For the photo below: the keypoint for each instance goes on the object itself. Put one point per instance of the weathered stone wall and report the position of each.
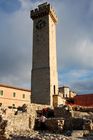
(44, 66)
(3, 124)
(23, 122)
(52, 125)
(55, 124)
(31, 110)
(62, 112)
(81, 114)
(73, 124)
(74, 120)
(19, 122)
(86, 109)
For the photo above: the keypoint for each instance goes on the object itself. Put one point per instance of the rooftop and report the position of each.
(18, 88)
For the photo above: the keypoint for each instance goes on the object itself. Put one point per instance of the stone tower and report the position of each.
(44, 66)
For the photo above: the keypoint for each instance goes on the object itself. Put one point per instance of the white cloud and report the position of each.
(15, 50)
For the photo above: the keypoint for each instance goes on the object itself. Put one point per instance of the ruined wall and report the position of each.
(18, 123)
(23, 121)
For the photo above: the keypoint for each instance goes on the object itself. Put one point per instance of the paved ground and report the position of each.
(77, 135)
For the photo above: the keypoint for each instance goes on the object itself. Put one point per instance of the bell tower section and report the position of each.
(44, 79)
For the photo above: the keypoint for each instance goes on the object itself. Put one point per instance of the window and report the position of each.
(13, 105)
(14, 94)
(54, 89)
(66, 95)
(23, 95)
(63, 95)
(1, 92)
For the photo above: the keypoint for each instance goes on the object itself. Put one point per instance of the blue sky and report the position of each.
(74, 42)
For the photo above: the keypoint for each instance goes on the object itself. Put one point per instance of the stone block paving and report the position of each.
(46, 136)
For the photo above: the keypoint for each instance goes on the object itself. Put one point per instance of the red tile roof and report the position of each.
(84, 100)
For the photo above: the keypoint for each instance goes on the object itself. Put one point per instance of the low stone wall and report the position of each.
(19, 121)
(88, 125)
(73, 124)
(23, 122)
(3, 124)
(55, 124)
(86, 109)
(83, 108)
(62, 112)
(81, 114)
(31, 110)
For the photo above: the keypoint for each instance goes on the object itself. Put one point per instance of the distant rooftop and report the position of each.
(8, 86)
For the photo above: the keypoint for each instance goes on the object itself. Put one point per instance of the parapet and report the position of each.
(43, 10)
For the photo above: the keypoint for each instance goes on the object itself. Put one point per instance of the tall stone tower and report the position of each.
(44, 78)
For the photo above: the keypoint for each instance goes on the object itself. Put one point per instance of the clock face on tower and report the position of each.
(40, 24)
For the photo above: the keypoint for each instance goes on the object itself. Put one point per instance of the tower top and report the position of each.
(43, 10)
